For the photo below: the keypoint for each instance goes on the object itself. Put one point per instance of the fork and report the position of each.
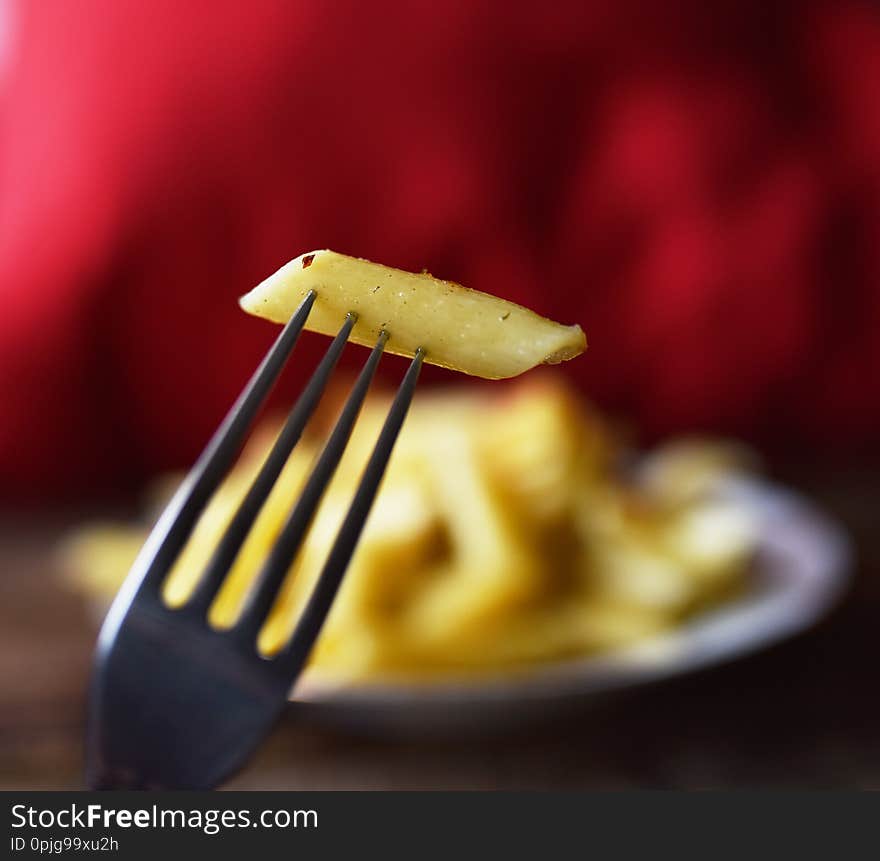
(176, 703)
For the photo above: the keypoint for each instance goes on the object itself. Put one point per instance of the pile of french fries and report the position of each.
(506, 534)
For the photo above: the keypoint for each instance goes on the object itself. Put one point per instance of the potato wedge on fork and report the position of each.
(458, 328)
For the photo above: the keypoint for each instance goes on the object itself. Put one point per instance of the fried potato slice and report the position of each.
(504, 535)
(458, 328)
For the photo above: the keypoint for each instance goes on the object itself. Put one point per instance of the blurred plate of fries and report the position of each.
(519, 560)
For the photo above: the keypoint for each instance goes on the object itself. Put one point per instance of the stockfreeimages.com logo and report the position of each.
(209, 821)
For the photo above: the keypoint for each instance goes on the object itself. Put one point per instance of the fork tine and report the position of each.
(230, 543)
(295, 654)
(179, 517)
(290, 538)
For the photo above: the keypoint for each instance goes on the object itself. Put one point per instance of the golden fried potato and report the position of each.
(503, 536)
(458, 328)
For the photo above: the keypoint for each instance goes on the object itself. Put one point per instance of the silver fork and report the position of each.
(176, 703)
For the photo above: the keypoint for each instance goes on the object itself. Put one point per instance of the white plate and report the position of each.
(801, 568)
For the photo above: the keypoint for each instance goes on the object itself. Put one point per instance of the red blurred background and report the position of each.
(697, 184)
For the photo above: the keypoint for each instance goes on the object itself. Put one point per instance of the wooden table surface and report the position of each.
(805, 713)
